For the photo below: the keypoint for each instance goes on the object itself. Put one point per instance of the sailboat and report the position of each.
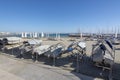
(42, 34)
(115, 39)
(103, 53)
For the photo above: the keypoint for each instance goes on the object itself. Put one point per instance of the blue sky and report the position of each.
(59, 15)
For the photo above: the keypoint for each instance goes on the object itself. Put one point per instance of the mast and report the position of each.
(115, 33)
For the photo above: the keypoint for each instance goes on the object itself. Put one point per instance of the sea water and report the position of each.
(46, 35)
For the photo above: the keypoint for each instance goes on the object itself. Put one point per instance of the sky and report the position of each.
(59, 15)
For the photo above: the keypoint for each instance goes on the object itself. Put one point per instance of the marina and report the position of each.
(76, 56)
(59, 40)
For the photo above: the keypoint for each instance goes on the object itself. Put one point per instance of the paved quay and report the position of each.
(15, 69)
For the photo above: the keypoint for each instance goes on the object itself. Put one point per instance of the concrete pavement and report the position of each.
(13, 69)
